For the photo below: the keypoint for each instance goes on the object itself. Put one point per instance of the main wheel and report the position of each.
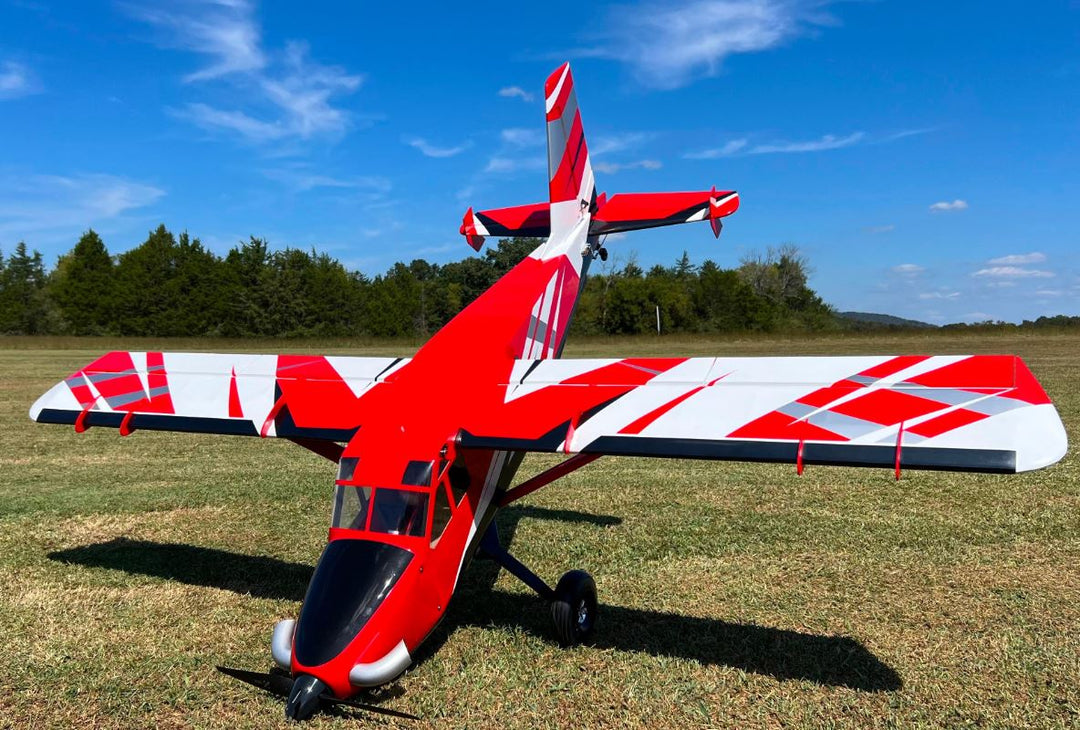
(574, 608)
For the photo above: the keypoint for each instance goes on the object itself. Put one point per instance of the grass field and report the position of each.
(732, 595)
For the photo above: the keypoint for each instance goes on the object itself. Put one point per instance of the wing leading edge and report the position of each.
(984, 413)
(287, 396)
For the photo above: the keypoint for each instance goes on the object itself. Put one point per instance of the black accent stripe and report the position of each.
(388, 367)
(548, 442)
(599, 227)
(192, 424)
(994, 461)
(539, 229)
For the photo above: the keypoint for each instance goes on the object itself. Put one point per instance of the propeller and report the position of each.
(281, 684)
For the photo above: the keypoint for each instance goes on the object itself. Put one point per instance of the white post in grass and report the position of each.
(657, 319)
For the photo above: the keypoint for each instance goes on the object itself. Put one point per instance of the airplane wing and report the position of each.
(622, 212)
(983, 413)
(286, 396)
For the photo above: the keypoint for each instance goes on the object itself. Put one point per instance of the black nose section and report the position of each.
(304, 697)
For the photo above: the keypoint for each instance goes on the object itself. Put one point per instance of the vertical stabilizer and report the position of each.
(570, 177)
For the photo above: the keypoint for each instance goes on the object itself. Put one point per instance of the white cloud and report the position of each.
(610, 168)
(1013, 272)
(669, 44)
(520, 137)
(1034, 257)
(515, 91)
(223, 30)
(947, 207)
(301, 178)
(939, 295)
(908, 269)
(16, 80)
(606, 144)
(507, 165)
(1049, 292)
(293, 94)
(429, 150)
(827, 142)
(37, 207)
(729, 149)
(742, 146)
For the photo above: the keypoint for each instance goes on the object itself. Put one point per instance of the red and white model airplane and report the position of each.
(427, 447)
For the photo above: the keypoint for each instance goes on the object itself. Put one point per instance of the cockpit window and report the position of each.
(417, 474)
(351, 507)
(346, 468)
(442, 514)
(399, 512)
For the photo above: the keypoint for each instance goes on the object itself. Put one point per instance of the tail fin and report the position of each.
(570, 178)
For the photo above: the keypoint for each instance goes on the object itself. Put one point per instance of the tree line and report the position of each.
(171, 285)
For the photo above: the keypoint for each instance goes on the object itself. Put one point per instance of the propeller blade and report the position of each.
(280, 684)
(277, 684)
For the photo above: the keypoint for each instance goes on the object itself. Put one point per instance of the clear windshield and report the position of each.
(351, 507)
(399, 512)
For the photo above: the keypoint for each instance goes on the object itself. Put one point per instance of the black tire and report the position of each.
(574, 609)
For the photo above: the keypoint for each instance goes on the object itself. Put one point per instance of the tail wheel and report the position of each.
(574, 609)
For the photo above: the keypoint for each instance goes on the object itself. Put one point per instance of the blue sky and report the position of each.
(924, 155)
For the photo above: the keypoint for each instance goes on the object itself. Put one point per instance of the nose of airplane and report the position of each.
(304, 697)
(352, 579)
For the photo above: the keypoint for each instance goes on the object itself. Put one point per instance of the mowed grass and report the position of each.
(732, 595)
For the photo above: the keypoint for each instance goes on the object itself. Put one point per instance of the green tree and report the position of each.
(82, 286)
(24, 308)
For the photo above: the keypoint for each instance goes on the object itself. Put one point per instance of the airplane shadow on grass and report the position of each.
(783, 654)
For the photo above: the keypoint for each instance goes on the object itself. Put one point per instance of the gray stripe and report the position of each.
(541, 330)
(76, 381)
(796, 409)
(995, 405)
(102, 377)
(162, 390)
(119, 401)
(862, 379)
(558, 132)
(846, 426)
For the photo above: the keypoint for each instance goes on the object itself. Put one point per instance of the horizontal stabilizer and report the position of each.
(617, 214)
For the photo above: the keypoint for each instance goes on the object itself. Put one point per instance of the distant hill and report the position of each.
(884, 320)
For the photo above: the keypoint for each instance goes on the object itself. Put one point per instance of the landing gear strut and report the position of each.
(574, 607)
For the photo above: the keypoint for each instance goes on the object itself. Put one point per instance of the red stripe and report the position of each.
(566, 182)
(895, 365)
(564, 93)
(946, 422)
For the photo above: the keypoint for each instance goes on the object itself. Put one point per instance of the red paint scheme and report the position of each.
(464, 380)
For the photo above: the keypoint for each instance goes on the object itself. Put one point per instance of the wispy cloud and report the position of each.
(223, 30)
(522, 137)
(742, 146)
(1035, 257)
(37, 207)
(429, 150)
(610, 168)
(945, 206)
(619, 142)
(875, 230)
(302, 178)
(511, 92)
(944, 294)
(293, 94)
(669, 44)
(1013, 272)
(908, 269)
(506, 165)
(16, 80)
